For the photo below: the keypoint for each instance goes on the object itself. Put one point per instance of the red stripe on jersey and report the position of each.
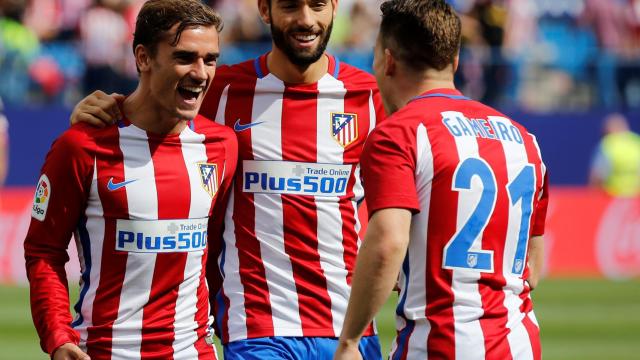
(494, 319)
(114, 263)
(168, 163)
(354, 103)
(251, 268)
(532, 329)
(443, 214)
(300, 220)
(202, 316)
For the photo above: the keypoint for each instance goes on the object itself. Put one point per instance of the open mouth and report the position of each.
(190, 93)
(305, 39)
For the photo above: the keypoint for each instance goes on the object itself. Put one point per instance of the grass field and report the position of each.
(580, 319)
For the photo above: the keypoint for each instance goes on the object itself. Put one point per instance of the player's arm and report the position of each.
(377, 268)
(536, 260)
(98, 109)
(60, 197)
(388, 167)
(536, 243)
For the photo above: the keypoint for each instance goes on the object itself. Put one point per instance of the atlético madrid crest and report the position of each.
(344, 128)
(209, 177)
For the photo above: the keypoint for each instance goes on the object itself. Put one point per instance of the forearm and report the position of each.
(536, 260)
(378, 264)
(50, 303)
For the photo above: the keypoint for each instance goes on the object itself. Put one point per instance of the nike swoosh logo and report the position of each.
(240, 127)
(113, 187)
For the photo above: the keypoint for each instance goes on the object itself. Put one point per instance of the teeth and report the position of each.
(306, 37)
(194, 89)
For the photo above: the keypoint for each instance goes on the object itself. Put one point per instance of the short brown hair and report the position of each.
(421, 33)
(157, 17)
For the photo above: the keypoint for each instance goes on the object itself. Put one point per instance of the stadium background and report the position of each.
(557, 66)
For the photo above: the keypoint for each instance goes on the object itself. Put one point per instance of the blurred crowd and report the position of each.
(539, 55)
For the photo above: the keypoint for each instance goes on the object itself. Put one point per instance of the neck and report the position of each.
(411, 86)
(280, 66)
(146, 114)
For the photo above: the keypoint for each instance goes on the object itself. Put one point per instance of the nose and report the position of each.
(198, 70)
(305, 17)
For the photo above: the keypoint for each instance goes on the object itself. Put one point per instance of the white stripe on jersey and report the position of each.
(467, 304)
(233, 288)
(138, 276)
(330, 248)
(222, 106)
(269, 229)
(95, 225)
(372, 113)
(416, 292)
(518, 337)
(185, 325)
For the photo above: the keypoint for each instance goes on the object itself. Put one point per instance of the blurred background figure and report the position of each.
(616, 163)
(4, 148)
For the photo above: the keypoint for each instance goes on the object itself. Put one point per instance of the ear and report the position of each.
(335, 8)
(389, 63)
(143, 58)
(265, 11)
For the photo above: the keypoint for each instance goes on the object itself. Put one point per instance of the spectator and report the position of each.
(4, 146)
(616, 163)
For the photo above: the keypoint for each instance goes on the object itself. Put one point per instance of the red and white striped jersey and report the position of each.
(477, 186)
(140, 207)
(291, 228)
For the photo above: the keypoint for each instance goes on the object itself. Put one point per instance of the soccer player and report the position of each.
(291, 228)
(457, 193)
(140, 199)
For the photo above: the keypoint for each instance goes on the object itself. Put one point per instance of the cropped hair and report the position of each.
(157, 17)
(422, 34)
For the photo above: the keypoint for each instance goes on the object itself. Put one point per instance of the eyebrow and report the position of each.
(185, 53)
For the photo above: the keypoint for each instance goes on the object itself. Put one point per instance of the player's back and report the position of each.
(478, 177)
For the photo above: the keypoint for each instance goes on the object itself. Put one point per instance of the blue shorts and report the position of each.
(296, 348)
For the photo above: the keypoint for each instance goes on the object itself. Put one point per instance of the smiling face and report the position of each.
(179, 76)
(300, 28)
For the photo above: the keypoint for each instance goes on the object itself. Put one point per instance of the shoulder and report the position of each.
(82, 138)
(212, 130)
(357, 78)
(227, 74)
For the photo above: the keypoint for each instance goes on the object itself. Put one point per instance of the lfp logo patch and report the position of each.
(41, 198)
(344, 128)
(209, 177)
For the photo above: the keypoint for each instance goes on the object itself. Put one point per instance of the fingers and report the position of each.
(70, 351)
(98, 109)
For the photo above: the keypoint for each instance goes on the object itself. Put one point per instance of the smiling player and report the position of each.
(142, 244)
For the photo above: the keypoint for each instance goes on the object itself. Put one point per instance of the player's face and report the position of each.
(300, 28)
(180, 75)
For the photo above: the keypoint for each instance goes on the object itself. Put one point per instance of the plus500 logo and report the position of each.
(275, 177)
(161, 235)
(140, 242)
(308, 185)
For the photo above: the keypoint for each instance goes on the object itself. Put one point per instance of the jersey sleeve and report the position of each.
(388, 169)
(60, 197)
(540, 212)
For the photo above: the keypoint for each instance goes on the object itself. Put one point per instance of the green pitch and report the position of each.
(580, 319)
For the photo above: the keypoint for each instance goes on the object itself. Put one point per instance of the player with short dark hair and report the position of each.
(141, 199)
(457, 197)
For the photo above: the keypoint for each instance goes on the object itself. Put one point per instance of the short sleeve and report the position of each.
(540, 213)
(388, 168)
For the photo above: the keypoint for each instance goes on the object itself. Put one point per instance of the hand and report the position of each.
(347, 351)
(98, 109)
(70, 351)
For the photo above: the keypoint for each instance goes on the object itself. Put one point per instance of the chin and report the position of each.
(187, 114)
